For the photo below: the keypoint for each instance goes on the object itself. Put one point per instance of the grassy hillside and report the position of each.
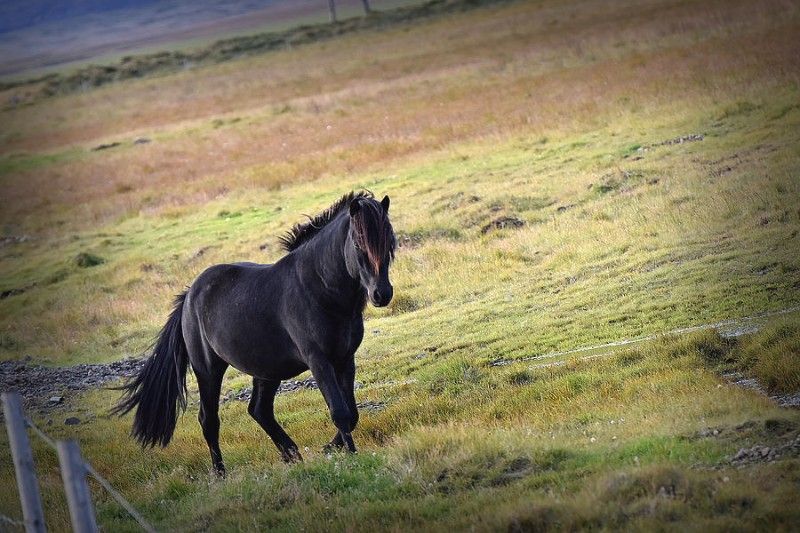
(562, 174)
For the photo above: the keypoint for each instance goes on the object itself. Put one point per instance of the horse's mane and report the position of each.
(303, 232)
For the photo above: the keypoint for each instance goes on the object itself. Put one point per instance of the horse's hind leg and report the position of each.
(261, 408)
(209, 383)
(209, 369)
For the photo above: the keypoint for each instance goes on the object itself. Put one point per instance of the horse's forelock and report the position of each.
(373, 232)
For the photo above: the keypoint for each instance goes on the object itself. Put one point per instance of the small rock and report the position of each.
(371, 406)
(72, 421)
(55, 400)
(141, 140)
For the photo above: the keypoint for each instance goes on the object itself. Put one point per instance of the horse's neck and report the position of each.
(324, 260)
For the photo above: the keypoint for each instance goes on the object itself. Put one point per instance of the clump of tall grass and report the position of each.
(773, 356)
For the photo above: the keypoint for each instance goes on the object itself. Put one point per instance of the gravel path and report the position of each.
(46, 387)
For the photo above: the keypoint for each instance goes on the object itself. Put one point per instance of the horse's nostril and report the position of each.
(376, 295)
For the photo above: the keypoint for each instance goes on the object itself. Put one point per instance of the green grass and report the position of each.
(623, 236)
(620, 441)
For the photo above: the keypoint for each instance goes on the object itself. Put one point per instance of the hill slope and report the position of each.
(561, 174)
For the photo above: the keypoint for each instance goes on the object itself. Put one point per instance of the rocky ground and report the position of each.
(784, 400)
(766, 454)
(43, 386)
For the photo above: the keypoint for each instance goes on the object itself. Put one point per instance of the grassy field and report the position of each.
(647, 155)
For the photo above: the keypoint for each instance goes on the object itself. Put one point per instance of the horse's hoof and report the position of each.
(220, 471)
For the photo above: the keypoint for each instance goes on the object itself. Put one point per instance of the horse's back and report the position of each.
(240, 310)
(229, 282)
(251, 264)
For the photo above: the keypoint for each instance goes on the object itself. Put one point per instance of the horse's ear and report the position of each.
(355, 207)
(385, 203)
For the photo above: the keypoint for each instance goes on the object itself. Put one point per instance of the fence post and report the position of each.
(73, 472)
(332, 10)
(23, 463)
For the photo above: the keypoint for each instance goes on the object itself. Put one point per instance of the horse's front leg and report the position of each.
(343, 415)
(346, 379)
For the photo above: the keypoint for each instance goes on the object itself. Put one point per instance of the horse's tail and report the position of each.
(159, 390)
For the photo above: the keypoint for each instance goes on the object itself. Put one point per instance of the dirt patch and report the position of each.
(47, 387)
(15, 291)
(682, 139)
(508, 221)
(106, 146)
(13, 239)
(408, 241)
(88, 260)
(692, 137)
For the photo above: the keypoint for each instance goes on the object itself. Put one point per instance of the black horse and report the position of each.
(273, 322)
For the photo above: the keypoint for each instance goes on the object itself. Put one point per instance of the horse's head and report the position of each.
(370, 248)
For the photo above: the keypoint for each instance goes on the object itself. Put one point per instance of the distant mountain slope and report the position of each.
(21, 14)
(41, 35)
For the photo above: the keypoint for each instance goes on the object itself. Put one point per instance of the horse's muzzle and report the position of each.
(381, 297)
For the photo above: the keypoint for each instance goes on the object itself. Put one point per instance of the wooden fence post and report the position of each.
(73, 472)
(23, 463)
(332, 10)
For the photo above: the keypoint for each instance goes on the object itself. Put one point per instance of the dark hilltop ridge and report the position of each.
(28, 91)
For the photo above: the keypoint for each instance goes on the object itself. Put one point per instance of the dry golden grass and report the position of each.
(357, 104)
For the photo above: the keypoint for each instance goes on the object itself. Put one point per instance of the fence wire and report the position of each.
(145, 525)
(11, 522)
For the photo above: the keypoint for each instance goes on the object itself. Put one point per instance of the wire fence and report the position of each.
(11, 522)
(74, 471)
(120, 499)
